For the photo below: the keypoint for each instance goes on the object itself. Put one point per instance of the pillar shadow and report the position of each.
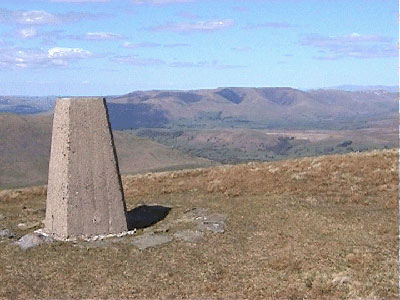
(146, 215)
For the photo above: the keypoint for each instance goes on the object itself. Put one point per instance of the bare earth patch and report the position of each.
(314, 228)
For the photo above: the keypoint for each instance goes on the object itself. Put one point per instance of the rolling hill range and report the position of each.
(25, 105)
(271, 108)
(279, 108)
(358, 88)
(25, 149)
(180, 129)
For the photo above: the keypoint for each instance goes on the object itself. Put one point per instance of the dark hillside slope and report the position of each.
(279, 107)
(263, 107)
(25, 150)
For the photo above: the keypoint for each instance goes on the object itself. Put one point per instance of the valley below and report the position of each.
(170, 130)
(26, 139)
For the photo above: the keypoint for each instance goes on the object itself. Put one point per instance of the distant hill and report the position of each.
(24, 105)
(271, 107)
(25, 137)
(363, 88)
(25, 149)
(274, 108)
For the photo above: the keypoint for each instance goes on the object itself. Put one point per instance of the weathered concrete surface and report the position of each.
(85, 195)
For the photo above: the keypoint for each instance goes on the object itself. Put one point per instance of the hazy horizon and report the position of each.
(344, 87)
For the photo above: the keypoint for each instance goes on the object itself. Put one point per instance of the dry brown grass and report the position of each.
(314, 228)
(349, 179)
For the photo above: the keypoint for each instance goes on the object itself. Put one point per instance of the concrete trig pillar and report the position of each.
(84, 193)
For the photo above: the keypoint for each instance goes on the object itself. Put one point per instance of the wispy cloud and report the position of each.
(48, 37)
(188, 15)
(241, 49)
(140, 45)
(4, 43)
(333, 41)
(26, 33)
(98, 36)
(38, 58)
(240, 8)
(152, 45)
(176, 45)
(138, 61)
(281, 25)
(135, 60)
(200, 26)
(353, 45)
(40, 17)
(67, 53)
(71, 17)
(80, 1)
(158, 2)
(33, 17)
(205, 64)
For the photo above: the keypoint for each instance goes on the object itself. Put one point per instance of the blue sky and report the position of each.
(106, 47)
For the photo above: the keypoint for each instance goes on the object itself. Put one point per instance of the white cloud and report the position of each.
(22, 58)
(27, 33)
(133, 1)
(47, 37)
(334, 41)
(67, 53)
(140, 45)
(80, 1)
(99, 36)
(33, 17)
(354, 45)
(205, 64)
(152, 45)
(159, 1)
(38, 58)
(137, 61)
(36, 17)
(40, 17)
(201, 26)
(81, 16)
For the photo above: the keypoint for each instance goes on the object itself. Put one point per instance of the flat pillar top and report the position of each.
(81, 98)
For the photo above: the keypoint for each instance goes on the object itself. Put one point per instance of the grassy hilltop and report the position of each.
(319, 228)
